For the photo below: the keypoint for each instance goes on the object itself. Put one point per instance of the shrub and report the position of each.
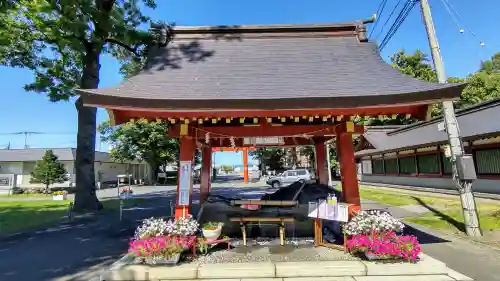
(60, 193)
(211, 225)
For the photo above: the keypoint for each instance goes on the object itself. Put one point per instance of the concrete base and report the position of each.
(428, 269)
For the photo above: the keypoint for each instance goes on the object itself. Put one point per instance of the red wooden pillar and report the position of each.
(187, 149)
(348, 169)
(206, 170)
(321, 165)
(245, 165)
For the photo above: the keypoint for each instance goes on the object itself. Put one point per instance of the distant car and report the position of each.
(290, 176)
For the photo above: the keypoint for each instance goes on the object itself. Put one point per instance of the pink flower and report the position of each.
(385, 244)
(161, 246)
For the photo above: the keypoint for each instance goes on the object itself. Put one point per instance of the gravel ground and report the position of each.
(274, 254)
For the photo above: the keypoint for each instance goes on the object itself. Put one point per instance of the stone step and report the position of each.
(428, 269)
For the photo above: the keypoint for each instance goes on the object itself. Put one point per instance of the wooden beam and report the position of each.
(264, 131)
(124, 114)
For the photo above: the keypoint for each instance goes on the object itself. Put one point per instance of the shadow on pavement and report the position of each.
(423, 237)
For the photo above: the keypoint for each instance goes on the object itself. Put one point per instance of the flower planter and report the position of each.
(372, 257)
(212, 234)
(59, 197)
(173, 260)
(125, 195)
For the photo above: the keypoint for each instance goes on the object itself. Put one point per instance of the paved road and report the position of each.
(80, 252)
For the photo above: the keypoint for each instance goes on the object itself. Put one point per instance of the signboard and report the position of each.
(263, 141)
(5, 180)
(323, 210)
(185, 174)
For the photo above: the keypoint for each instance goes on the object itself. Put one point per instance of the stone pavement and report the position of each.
(82, 250)
(75, 251)
(428, 269)
(474, 260)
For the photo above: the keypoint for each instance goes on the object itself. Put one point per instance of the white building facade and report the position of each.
(16, 166)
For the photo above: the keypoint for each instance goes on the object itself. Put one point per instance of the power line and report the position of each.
(403, 14)
(38, 133)
(380, 11)
(458, 20)
(387, 20)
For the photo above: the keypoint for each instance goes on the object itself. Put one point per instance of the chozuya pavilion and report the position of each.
(266, 85)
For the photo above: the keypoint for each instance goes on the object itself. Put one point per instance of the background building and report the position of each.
(414, 155)
(16, 166)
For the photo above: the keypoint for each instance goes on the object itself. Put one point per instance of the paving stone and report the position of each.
(259, 279)
(237, 270)
(339, 278)
(405, 278)
(182, 271)
(201, 280)
(458, 276)
(127, 273)
(426, 265)
(320, 269)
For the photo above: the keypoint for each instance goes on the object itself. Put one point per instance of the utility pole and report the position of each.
(464, 172)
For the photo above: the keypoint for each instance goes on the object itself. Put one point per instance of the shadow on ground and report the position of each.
(457, 224)
(80, 249)
(423, 237)
(76, 250)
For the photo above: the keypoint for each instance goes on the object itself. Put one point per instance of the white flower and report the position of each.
(150, 228)
(368, 221)
(182, 226)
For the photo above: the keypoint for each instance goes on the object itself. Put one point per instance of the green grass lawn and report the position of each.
(26, 195)
(16, 216)
(444, 213)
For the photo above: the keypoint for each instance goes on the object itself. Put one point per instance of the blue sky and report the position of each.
(26, 111)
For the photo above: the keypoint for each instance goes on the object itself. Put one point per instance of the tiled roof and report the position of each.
(36, 154)
(476, 121)
(273, 67)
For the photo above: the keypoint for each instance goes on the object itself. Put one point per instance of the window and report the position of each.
(301, 172)
(407, 165)
(488, 161)
(391, 165)
(291, 174)
(447, 170)
(378, 166)
(428, 164)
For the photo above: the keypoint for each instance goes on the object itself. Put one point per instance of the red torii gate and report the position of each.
(245, 151)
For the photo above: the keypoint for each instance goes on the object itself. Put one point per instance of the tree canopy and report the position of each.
(481, 86)
(62, 42)
(269, 157)
(141, 140)
(49, 171)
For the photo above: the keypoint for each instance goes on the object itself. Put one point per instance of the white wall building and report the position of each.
(16, 166)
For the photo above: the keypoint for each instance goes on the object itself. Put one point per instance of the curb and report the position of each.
(430, 190)
(123, 261)
(126, 259)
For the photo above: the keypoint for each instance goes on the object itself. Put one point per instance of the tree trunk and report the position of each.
(155, 169)
(85, 186)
